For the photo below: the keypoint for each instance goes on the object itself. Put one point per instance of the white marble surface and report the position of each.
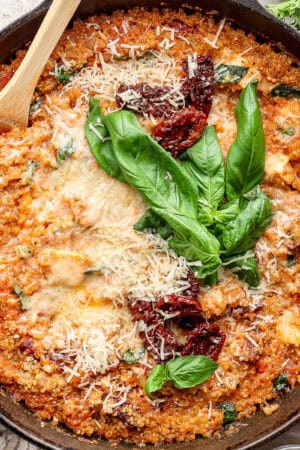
(9, 11)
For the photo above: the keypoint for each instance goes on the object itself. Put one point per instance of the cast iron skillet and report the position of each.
(250, 16)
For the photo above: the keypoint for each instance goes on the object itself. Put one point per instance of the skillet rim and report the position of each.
(36, 14)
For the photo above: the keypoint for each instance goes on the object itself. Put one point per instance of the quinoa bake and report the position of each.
(150, 229)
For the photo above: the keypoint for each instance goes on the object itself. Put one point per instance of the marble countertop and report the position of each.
(9, 440)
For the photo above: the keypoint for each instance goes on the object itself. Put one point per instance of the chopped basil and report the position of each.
(280, 383)
(283, 90)
(65, 151)
(64, 76)
(183, 372)
(225, 73)
(31, 167)
(229, 411)
(289, 131)
(24, 299)
(35, 105)
(290, 260)
(131, 356)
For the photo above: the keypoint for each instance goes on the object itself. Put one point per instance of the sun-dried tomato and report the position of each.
(182, 27)
(142, 310)
(199, 87)
(206, 339)
(190, 322)
(194, 282)
(181, 130)
(161, 341)
(144, 99)
(183, 306)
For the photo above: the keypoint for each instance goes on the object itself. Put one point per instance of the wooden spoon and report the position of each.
(16, 96)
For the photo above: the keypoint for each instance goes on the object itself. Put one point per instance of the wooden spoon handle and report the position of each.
(51, 29)
(17, 94)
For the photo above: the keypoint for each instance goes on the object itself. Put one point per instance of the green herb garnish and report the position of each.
(64, 76)
(246, 158)
(280, 383)
(283, 90)
(186, 199)
(229, 412)
(145, 164)
(24, 299)
(289, 131)
(35, 105)
(131, 356)
(183, 372)
(287, 9)
(99, 141)
(225, 73)
(31, 167)
(65, 151)
(290, 260)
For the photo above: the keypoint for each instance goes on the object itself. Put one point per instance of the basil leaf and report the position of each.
(240, 234)
(205, 215)
(225, 73)
(152, 222)
(189, 371)
(207, 168)
(183, 372)
(246, 157)
(156, 379)
(229, 412)
(191, 253)
(212, 279)
(283, 90)
(280, 383)
(290, 260)
(100, 142)
(161, 181)
(24, 299)
(131, 357)
(247, 270)
(227, 212)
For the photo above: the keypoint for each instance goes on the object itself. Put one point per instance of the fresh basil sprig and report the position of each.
(183, 372)
(186, 199)
(246, 158)
(170, 193)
